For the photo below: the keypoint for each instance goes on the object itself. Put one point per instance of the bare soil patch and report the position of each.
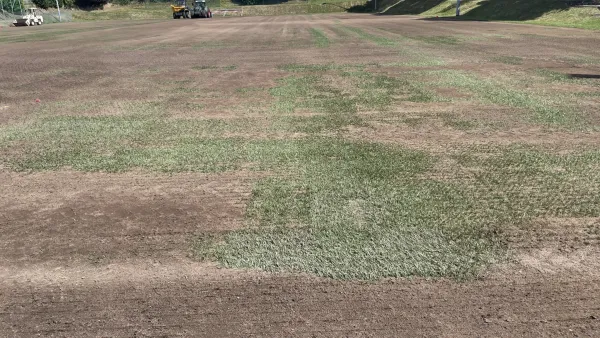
(72, 218)
(209, 303)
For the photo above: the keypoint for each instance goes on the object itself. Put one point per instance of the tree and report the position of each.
(90, 3)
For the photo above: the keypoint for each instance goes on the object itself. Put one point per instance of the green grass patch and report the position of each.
(339, 93)
(319, 38)
(424, 61)
(347, 210)
(360, 211)
(120, 143)
(357, 211)
(548, 75)
(363, 88)
(204, 67)
(457, 123)
(525, 183)
(376, 39)
(414, 53)
(318, 123)
(414, 121)
(553, 76)
(549, 110)
(152, 141)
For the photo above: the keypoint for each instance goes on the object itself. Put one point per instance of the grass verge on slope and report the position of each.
(544, 12)
(320, 39)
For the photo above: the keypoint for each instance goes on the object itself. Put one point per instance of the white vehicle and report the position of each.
(31, 17)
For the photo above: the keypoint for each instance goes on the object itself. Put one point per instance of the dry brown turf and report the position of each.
(109, 254)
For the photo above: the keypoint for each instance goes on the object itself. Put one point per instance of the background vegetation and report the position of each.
(546, 12)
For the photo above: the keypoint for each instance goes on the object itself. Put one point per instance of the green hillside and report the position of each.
(545, 12)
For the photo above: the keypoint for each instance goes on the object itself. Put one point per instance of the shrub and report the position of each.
(90, 3)
(11, 7)
(45, 4)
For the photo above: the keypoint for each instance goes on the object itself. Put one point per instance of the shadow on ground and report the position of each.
(409, 6)
(514, 9)
(484, 10)
(584, 76)
(367, 7)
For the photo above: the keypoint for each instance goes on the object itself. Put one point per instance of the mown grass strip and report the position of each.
(378, 40)
(319, 38)
(546, 109)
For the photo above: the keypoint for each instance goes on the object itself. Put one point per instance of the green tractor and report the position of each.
(200, 10)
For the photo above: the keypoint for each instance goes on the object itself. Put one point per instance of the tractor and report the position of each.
(201, 10)
(181, 10)
(32, 17)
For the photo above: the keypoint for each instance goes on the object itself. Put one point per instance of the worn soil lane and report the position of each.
(199, 300)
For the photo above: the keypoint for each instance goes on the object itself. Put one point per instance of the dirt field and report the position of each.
(124, 144)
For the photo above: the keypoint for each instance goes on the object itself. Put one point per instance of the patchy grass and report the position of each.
(376, 39)
(298, 68)
(553, 76)
(340, 209)
(119, 143)
(363, 211)
(356, 211)
(526, 183)
(424, 61)
(546, 109)
(319, 38)
(333, 207)
(339, 93)
(408, 49)
(151, 141)
(457, 123)
(204, 67)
